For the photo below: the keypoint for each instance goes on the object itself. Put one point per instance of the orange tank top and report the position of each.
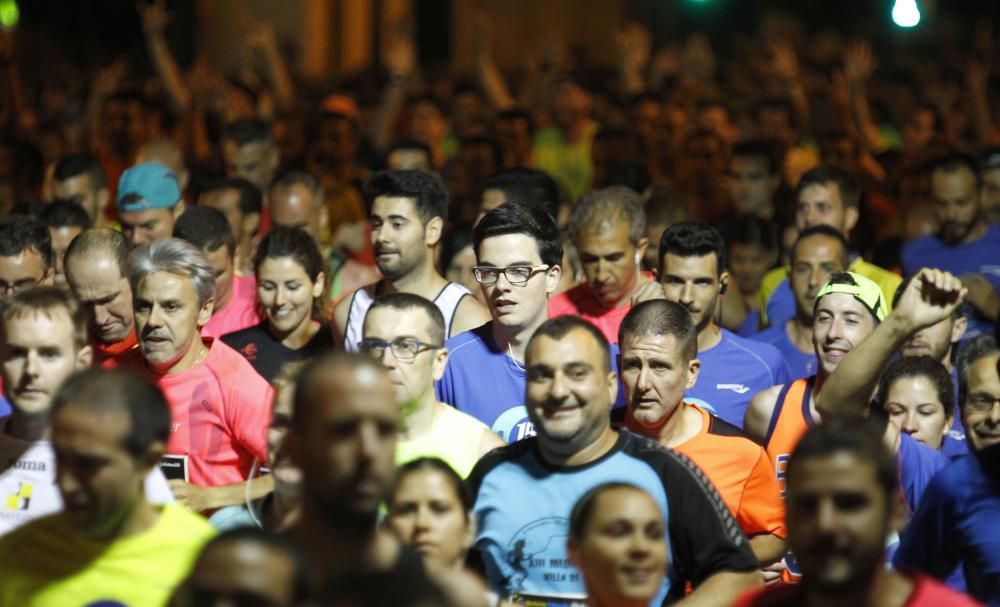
(789, 421)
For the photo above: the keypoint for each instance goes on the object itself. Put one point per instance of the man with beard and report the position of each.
(693, 273)
(965, 244)
(819, 252)
(409, 210)
(842, 504)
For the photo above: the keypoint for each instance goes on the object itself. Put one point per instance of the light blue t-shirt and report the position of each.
(800, 364)
(732, 372)
(485, 382)
(522, 506)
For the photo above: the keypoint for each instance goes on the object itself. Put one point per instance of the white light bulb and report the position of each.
(905, 13)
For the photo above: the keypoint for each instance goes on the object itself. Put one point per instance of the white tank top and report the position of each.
(447, 301)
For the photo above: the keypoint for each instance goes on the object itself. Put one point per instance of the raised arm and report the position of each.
(931, 296)
(401, 60)
(262, 38)
(155, 18)
(490, 78)
(859, 64)
(634, 49)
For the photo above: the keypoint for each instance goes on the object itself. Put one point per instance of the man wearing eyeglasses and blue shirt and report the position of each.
(518, 256)
(405, 332)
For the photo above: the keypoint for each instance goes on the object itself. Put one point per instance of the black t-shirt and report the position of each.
(268, 355)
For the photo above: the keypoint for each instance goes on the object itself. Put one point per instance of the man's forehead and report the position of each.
(821, 192)
(165, 284)
(390, 323)
(819, 245)
(842, 303)
(507, 247)
(649, 345)
(839, 470)
(983, 373)
(383, 206)
(699, 265)
(576, 346)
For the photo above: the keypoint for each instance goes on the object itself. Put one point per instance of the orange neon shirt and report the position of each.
(741, 472)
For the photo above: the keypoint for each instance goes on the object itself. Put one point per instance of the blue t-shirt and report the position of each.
(959, 522)
(485, 382)
(751, 324)
(781, 304)
(5, 408)
(918, 464)
(954, 443)
(522, 506)
(800, 364)
(732, 372)
(981, 256)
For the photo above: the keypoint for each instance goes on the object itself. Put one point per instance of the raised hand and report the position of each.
(932, 296)
(784, 61)
(859, 62)
(635, 46)
(109, 78)
(154, 16)
(401, 52)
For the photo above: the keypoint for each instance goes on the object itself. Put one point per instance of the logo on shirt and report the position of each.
(513, 424)
(737, 388)
(20, 499)
(537, 552)
(249, 351)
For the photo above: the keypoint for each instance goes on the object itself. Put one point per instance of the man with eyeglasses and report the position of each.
(958, 521)
(405, 332)
(25, 255)
(518, 255)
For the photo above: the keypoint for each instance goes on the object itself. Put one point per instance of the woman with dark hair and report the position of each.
(917, 395)
(291, 286)
(430, 509)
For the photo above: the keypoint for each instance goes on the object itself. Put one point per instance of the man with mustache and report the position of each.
(965, 244)
(842, 504)
(220, 405)
(733, 369)
(408, 213)
(818, 252)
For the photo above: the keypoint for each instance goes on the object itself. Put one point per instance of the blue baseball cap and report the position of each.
(146, 186)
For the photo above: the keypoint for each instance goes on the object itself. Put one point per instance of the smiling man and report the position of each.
(959, 519)
(570, 388)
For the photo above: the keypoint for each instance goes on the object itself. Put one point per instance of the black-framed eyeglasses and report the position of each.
(516, 275)
(403, 348)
